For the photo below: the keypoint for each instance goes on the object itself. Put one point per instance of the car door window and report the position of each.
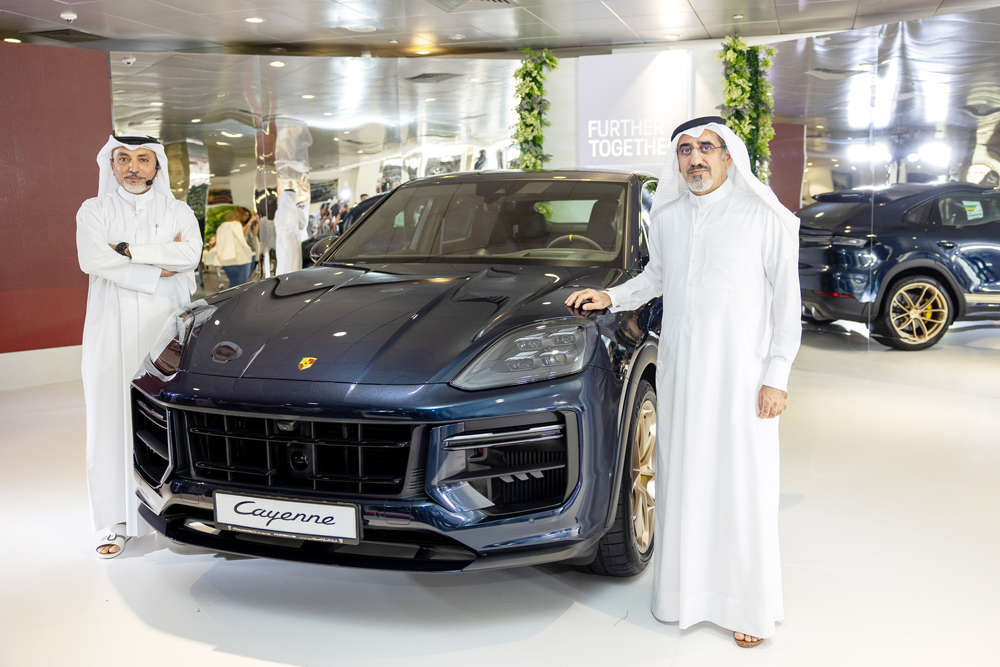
(646, 195)
(967, 209)
(918, 214)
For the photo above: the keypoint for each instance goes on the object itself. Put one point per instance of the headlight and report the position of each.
(543, 351)
(169, 345)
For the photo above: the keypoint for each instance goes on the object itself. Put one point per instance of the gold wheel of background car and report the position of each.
(644, 476)
(918, 312)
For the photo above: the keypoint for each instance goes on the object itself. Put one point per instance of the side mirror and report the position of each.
(320, 247)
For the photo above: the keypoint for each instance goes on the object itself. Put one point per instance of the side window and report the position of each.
(645, 208)
(966, 209)
(918, 214)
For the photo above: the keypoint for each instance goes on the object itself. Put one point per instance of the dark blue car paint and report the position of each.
(428, 321)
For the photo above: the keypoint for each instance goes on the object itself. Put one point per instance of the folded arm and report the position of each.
(173, 256)
(97, 258)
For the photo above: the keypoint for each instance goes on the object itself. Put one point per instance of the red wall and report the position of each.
(55, 116)
(788, 163)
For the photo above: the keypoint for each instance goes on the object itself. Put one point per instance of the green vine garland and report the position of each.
(531, 107)
(749, 99)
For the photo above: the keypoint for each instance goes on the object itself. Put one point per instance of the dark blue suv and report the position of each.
(907, 260)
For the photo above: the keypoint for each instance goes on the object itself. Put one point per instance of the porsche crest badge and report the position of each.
(306, 363)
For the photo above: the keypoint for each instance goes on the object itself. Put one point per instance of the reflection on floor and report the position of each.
(889, 535)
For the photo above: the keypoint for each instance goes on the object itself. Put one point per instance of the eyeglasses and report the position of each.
(705, 149)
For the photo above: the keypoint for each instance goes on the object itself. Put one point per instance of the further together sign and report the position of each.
(628, 104)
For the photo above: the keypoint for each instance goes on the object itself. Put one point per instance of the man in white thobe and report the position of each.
(724, 256)
(289, 221)
(139, 245)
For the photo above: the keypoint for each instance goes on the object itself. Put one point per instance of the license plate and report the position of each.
(323, 522)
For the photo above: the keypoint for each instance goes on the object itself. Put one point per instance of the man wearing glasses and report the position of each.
(724, 257)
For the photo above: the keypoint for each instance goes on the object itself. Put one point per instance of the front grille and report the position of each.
(520, 464)
(370, 459)
(150, 443)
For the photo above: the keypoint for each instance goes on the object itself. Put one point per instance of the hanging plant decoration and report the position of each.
(749, 99)
(531, 107)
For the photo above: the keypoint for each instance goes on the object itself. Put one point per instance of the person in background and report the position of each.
(139, 246)
(289, 221)
(232, 251)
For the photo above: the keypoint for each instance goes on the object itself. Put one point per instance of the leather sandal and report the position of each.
(744, 643)
(113, 539)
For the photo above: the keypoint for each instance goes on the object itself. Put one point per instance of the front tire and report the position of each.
(627, 547)
(916, 314)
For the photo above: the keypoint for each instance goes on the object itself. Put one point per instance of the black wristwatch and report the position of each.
(120, 248)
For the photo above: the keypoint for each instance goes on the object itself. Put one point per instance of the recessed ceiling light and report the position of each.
(423, 53)
(277, 63)
(11, 40)
(336, 138)
(196, 120)
(347, 131)
(327, 113)
(361, 28)
(223, 143)
(232, 135)
(277, 49)
(819, 127)
(243, 165)
(234, 171)
(809, 164)
(308, 97)
(430, 99)
(394, 41)
(456, 37)
(360, 151)
(156, 104)
(254, 19)
(671, 37)
(339, 333)
(211, 175)
(475, 80)
(737, 16)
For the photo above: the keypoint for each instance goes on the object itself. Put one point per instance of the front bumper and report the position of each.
(411, 531)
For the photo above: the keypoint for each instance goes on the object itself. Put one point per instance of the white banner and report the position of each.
(628, 104)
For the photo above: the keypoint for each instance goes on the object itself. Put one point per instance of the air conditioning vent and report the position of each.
(431, 77)
(471, 5)
(69, 35)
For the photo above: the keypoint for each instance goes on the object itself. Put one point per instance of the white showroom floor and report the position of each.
(890, 536)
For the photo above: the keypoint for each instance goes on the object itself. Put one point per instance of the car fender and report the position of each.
(922, 263)
(643, 358)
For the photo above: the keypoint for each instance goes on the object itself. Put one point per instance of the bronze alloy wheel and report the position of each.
(644, 476)
(918, 313)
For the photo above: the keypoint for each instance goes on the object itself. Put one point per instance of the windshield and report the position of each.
(557, 222)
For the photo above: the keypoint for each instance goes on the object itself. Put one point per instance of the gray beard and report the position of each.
(700, 184)
(136, 189)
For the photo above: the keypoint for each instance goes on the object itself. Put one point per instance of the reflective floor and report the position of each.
(889, 535)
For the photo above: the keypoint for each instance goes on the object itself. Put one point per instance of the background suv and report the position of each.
(907, 260)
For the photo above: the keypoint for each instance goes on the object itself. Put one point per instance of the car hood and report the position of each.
(399, 324)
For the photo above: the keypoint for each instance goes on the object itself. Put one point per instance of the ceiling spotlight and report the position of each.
(277, 63)
(475, 80)
(327, 113)
(11, 40)
(308, 97)
(456, 37)
(394, 41)
(336, 138)
(430, 99)
(359, 152)
(819, 127)
(361, 28)
(196, 120)
(423, 53)
(671, 37)
(277, 49)
(243, 165)
(254, 19)
(737, 16)
(156, 104)
(347, 131)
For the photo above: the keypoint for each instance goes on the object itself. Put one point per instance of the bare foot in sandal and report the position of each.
(746, 641)
(113, 542)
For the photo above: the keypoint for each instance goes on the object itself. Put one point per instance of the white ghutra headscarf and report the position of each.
(132, 140)
(672, 184)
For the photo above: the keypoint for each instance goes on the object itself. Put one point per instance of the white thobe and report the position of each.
(127, 306)
(727, 268)
(288, 226)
